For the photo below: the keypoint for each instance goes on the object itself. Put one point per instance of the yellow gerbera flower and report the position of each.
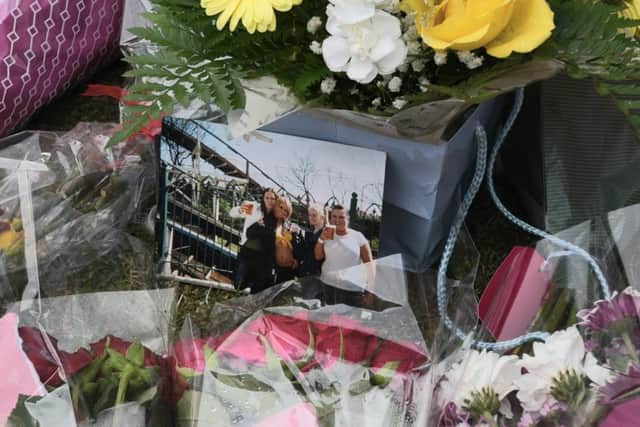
(632, 12)
(255, 14)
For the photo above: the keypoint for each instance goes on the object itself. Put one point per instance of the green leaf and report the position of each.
(147, 396)
(181, 94)
(20, 416)
(210, 358)
(148, 87)
(163, 58)
(188, 372)
(150, 72)
(107, 389)
(129, 129)
(135, 354)
(384, 375)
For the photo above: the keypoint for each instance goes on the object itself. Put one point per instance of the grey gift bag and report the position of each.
(424, 183)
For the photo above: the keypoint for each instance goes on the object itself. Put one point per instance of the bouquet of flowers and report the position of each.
(113, 381)
(584, 375)
(379, 61)
(291, 366)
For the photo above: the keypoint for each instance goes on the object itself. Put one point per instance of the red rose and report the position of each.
(289, 336)
(356, 342)
(41, 349)
(406, 354)
(121, 346)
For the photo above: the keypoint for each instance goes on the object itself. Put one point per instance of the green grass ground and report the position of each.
(493, 235)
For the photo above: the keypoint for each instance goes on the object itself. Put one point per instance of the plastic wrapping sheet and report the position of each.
(77, 268)
(274, 356)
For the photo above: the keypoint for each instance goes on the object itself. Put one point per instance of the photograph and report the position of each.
(267, 208)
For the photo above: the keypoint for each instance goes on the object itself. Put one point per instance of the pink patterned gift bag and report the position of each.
(46, 46)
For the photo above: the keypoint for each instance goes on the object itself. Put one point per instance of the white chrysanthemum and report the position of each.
(470, 59)
(413, 47)
(364, 40)
(395, 84)
(328, 85)
(424, 84)
(316, 47)
(563, 351)
(418, 65)
(479, 370)
(440, 58)
(314, 24)
(399, 103)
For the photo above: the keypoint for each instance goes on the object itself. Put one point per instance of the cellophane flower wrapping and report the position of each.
(275, 358)
(77, 278)
(586, 373)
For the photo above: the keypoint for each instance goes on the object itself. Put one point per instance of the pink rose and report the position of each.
(189, 353)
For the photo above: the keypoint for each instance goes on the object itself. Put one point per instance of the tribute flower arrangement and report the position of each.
(378, 57)
(288, 366)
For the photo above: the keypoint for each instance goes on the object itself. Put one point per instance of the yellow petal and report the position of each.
(237, 15)
(247, 18)
(282, 5)
(530, 26)
(631, 12)
(472, 28)
(214, 7)
(222, 20)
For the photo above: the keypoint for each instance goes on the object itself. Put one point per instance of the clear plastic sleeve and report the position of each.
(77, 271)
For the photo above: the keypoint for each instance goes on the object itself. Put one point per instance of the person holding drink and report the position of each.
(255, 266)
(340, 248)
(286, 263)
(304, 251)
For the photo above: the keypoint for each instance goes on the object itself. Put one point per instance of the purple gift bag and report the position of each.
(46, 46)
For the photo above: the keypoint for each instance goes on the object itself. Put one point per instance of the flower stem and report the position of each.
(630, 347)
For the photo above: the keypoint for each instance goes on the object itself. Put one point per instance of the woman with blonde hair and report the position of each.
(286, 264)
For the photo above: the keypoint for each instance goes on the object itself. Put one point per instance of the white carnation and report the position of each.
(364, 41)
(314, 24)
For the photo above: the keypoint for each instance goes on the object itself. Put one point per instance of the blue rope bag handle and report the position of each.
(481, 166)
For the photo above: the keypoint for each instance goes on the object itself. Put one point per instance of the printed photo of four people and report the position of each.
(314, 212)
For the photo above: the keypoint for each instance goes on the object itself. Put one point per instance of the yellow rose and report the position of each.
(500, 26)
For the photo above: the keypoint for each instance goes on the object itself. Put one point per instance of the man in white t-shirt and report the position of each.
(342, 248)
